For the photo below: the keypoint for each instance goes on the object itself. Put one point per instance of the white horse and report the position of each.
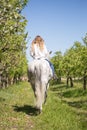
(39, 74)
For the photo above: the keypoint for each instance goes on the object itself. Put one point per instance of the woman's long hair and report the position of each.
(39, 41)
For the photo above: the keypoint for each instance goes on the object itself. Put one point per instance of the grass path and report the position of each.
(65, 109)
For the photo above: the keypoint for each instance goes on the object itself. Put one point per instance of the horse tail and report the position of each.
(38, 93)
(38, 96)
(40, 89)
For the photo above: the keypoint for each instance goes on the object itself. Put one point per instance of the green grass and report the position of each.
(65, 109)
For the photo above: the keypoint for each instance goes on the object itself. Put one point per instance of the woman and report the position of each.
(39, 51)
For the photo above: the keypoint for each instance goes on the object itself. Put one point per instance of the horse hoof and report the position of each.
(39, 111)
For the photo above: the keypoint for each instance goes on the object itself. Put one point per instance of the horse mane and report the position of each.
(39, 41)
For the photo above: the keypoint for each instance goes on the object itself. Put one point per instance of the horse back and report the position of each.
(39, 69)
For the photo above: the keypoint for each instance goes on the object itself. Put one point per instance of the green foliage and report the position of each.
(74, 62)
(13, 37)
(85, 40)
(57, 62)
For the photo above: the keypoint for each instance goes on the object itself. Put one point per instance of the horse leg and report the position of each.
(47, 86)
(38, 98)
(43, 92)
(45, 97)
(41, 95)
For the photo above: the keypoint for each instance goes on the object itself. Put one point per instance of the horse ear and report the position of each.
(50, 52)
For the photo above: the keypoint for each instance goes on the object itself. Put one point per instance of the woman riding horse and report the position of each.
(39, 51)
(40, 71)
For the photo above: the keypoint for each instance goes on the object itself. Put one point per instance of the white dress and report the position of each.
(38, 54)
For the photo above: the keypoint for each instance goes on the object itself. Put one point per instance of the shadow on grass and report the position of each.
(82, 113)
(68, 92)
(58, 88)
(78, 104)
(74, 93)
(65, 92)
(29, 110)
(69, 96)
(2, 99)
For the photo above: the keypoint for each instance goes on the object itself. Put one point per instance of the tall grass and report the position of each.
(65, 109)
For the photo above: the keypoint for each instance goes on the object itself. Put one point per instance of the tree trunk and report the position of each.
(67, 81)
(59, 79)
(71, 81)
(14, 79)
(84, 80)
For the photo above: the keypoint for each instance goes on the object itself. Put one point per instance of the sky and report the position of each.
(59, 22)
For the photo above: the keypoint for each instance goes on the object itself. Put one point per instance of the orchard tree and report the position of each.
(68, 65)
(56, 60)
(81, 63)
(13, 37)
(85, 40)
(75, 63)
(84, 62)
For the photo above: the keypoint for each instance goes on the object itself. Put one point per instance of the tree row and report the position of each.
(73, 64)
(12, 41)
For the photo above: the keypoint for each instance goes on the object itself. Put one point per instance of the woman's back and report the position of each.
(38, 49)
